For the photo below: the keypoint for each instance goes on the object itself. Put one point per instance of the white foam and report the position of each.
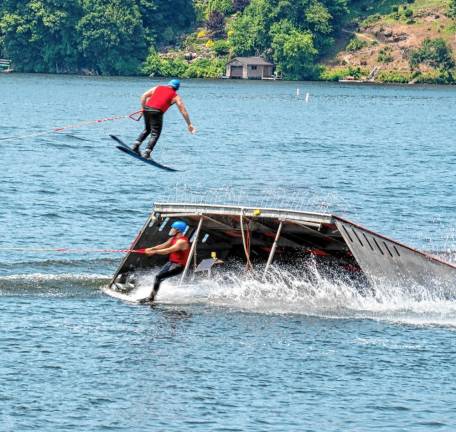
(308, 293)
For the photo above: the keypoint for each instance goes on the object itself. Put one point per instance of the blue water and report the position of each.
(290, 355)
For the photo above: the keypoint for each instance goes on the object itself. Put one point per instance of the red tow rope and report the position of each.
(70, 250)
(136, 116)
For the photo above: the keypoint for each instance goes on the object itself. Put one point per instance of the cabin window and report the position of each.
(254, 67)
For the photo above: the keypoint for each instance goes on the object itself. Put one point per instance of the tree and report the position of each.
(240, 5)
(452, 9)
(39, 35)
(249, 33)
(223, 6)
(216, 23)
(294, 51)
(255, 30)
(112, 36)
(162, 25)
(434, 53)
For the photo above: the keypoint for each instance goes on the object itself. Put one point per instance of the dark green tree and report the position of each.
(39, 35)
(434, 53)
(452, 9)
(293, 32)
(294, 51)
(216, 23)
(165, 20)
(112, 36)
(240, 5)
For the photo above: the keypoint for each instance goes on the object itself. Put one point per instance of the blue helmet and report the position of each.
(180, 226)
(175, 84)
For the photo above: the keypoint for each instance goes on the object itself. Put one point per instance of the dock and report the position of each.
(266, 237)
(5, 66)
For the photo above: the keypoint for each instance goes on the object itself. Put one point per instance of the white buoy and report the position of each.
(298, 92)
(307, 97)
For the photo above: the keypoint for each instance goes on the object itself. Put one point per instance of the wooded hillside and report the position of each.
(306, 39)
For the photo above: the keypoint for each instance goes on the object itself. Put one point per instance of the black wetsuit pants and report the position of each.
(153, 124)
(168, 270)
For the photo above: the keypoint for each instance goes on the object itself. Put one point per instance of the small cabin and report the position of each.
(250, 68)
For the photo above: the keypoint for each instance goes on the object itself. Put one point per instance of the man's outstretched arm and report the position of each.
(158, 247)
(180, 245)
(180, 104)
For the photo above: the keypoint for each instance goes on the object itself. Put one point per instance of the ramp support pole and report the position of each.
(192, 250)
(273, 250)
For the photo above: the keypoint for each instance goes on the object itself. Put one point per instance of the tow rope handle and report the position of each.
(136, 116)
(138, 251)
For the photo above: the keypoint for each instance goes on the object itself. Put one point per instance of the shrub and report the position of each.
(434, 53)
(408, 13)
(205, 68)
(333, 74)
(384, 55)
(394, 77)
(337, 73)
(221, 47)
(356, 44)
(434, 77)
(156, 65)
(452, 9)
(371, 19)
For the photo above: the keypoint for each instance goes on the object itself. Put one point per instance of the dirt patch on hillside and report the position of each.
(388, 42)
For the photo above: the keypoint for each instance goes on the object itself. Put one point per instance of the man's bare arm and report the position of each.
(180, 105)
(180, 245)
(159, 247)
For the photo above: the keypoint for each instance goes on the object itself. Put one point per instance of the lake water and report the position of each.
(239, 356)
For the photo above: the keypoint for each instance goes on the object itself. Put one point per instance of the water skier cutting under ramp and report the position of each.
(178, 249)
(155, 102)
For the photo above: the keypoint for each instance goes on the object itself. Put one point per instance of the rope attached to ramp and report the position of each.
(246, 242)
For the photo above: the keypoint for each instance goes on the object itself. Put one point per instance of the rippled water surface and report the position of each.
(294, 354)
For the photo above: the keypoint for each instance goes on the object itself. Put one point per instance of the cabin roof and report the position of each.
(255, 61)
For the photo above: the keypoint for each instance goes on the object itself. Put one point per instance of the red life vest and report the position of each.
(162, 98)
(181, 256)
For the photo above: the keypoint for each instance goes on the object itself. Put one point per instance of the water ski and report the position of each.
(126, 149)
(147, 301)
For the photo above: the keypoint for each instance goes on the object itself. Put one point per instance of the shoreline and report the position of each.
(332, 81)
